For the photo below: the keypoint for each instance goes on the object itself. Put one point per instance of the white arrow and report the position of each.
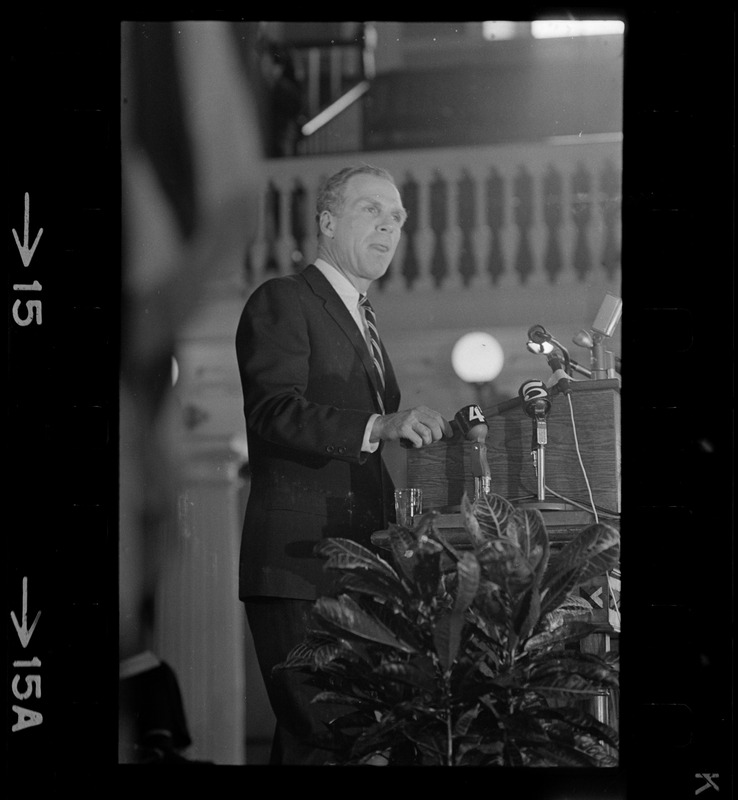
(26, 253)
(24, 633)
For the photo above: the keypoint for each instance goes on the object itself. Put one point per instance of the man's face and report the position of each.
(365, 231)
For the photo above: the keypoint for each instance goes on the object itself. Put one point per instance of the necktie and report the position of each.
(376, 350)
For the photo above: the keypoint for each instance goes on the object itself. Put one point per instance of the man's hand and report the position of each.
(419, 426)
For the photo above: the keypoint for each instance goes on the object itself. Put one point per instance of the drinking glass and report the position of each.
(408, 504)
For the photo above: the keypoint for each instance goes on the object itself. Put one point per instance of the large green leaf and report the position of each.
(555, 754)
(466, 674)
(400, 619)
(567, 676)
(465, 721)
(432, 743)
(573, 607)
(317, 650)
(407, 673)
(468, 573)
(503, 563)
(488, 647)
(446, 637)
(569, 683)
(571, 631)
(479, 751)
(595, 547)
(402, 545)
(372, 584)
(448, 628)
(405, 721)
(492, 512)
(527, 613)
(582, 721)
(345, 554)
(594, 551)
(570, 658)
(427, 571)
(346, 614)
(527, 529)
(470, 522)
(490, 611)
(339, 699)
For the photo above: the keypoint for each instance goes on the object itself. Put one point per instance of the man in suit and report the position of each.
(319, 403)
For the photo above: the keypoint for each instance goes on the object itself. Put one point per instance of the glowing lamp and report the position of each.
(477, 357)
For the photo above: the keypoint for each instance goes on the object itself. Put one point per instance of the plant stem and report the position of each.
(449, 729)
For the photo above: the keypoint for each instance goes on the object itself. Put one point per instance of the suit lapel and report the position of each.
(336, 308)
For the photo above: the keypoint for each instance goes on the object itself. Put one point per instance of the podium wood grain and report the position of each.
(443, 470)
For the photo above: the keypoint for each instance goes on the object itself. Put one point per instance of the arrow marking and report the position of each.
(24, 633)
(26, 253)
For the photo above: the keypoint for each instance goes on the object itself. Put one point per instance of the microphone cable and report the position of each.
(579, 457)
(605, 513)
(611, 592)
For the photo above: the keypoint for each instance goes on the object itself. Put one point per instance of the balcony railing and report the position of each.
(530, 214)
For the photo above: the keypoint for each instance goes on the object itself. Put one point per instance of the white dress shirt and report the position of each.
(350, 296)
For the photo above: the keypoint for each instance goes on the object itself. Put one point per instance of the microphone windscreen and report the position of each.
(537, 334)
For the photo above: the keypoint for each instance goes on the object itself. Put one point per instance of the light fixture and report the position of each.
(477, 359)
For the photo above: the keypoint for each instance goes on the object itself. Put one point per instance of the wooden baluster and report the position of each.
(451, 236)
(581, 213)
(409, 268)
(424, 238)
(552, 217)
(610, 205)
(466, 204)
(524, 216)
(439, 267)
(496, 217)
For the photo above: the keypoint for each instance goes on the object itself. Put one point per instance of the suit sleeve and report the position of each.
(274, 352)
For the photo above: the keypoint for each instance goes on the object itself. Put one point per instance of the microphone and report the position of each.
(468, 421)
(559, 378)
(538, 334)
(542, 342)
(471, 423)
(536, 404)
(536, 399)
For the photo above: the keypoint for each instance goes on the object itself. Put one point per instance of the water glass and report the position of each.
(408, 504)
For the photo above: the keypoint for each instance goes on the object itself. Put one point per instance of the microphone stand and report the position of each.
(540, 439)
(537, 406)
(577, 367)
(480, 469)
(471, 422)
(604, 363)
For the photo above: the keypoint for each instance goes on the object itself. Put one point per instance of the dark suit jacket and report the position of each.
(309, 389)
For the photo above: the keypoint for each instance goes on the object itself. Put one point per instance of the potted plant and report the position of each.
(466, 653)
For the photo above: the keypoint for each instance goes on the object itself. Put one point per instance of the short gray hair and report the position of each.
(331, 194)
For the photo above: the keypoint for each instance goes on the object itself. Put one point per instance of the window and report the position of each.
(551, 28)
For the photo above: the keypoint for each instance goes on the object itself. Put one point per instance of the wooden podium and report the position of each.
(443, 470)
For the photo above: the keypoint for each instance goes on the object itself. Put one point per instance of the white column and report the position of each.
(200, 623)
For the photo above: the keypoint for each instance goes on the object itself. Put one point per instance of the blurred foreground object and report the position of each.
(191, 161)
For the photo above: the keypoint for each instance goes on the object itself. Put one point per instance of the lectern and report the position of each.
(591, 433)
(443, 470)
